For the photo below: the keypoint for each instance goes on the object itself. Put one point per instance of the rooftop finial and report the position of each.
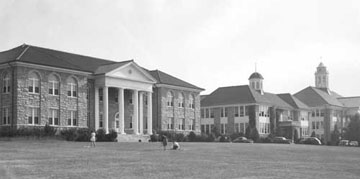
(255, 67)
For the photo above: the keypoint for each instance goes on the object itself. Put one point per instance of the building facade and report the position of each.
(235, 109)
(43, 86)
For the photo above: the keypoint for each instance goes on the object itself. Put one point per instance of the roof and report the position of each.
(203, 97)
(350, 101)
(314, 97)
(242, 95)
(293, 101)
(256, 75)
(48, 57)
(164, 78)
(277, 101)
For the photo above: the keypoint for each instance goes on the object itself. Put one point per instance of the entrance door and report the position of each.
(117, 122)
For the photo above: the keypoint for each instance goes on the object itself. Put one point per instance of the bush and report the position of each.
(192, 136)
(83, 134)
(69, 134)
(112, 136)
(154, 138)
(49, 130)
(7, 131)
(254, 135)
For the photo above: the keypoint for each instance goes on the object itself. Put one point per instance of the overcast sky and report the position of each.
(205, 42)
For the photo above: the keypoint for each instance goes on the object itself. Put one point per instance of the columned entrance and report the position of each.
(132, 87)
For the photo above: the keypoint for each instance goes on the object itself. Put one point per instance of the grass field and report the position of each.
(60, 159)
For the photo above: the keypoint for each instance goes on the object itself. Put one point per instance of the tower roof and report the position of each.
(256, 75)
(321, 64)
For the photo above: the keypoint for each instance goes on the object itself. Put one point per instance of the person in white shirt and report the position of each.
(93, 139)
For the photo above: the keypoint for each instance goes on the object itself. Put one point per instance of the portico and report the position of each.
(130, 89)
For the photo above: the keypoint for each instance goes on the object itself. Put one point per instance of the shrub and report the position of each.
(154, 138)
(100, 135)
(83, 134)
(192, 136)
(7, 131)
(254, 135)
(112, 136)
(68, 134)
(49, 130)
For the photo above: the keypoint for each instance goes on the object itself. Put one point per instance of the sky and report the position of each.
(208, 43)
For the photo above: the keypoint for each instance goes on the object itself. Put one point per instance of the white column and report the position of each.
(106, 109)
(136, 111)
(121, 110)
(141, 112)
(96, 108)
(149, 113)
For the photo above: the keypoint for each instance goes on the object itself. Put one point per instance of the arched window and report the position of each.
(53, 85)
(71, 87)
(191, 102)
(170, 99)
(6, 83)
(181, 100)
(34, 83)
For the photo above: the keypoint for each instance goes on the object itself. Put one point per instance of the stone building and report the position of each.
(43, 86)
(233, 109)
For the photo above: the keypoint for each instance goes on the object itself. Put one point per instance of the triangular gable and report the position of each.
(131, 71)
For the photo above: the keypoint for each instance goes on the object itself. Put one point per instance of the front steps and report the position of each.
(132, 138)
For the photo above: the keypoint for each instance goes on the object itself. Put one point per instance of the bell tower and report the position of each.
(322, 77)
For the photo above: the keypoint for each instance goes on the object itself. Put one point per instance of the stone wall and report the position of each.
(46, 101)
(162, 112)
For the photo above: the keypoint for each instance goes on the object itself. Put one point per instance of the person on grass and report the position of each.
(93, 139)
(176, 146)
(164, 141)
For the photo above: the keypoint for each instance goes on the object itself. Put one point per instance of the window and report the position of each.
(207, 128)
(317, 124)
(211, 113)
(322, 113)
(33, 115)
(241, 111)
(72, 121)
(181, 125)
(321, 125)
(236, 110)
(191, 124)
(304, 131)
(101, 120)
(202, 112)
(313, 114)
(191, 102)
(6, 83)
(237, 129)
(170, 100)
(264, 128)
(207, 113)
(317, 112)
(34, 83)
(181, 100)
(257, 85)
(224, 112)
(54, 117)
(246, 110)
(202, 128)
(5, 116)
(223, 128)
(313, 125)
(242, 127)
(170, 123)
(71, 87)
(53, 85)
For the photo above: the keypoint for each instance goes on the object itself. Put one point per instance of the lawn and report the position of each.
(61, 159)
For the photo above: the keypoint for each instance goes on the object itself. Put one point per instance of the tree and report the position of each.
(353, 129)
(254, 134)
(215, 131)
(335, 136)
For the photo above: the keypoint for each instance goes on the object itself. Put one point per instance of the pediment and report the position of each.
(131, 71)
